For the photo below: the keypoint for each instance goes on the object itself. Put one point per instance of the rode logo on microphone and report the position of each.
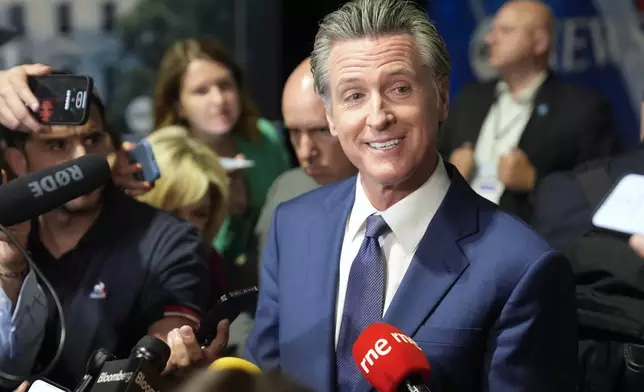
(381, 348)
(55, 181)
(114, 377)
(140, 381)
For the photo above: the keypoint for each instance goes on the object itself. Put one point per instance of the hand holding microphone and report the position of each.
(187, 352)
(390, 360)
(208, 341)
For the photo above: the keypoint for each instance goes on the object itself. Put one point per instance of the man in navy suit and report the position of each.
(407, 241)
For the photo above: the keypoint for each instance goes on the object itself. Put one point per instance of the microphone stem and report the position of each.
(83, 384)
(408, 386)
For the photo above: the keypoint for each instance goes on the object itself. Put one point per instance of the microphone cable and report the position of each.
(59, 307)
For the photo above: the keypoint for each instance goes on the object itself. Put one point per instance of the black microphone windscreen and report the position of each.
(36, 193)
(154, 350)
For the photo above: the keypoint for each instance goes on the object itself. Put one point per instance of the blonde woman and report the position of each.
(193, 185)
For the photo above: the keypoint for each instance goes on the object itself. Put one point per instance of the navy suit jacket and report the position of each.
(488, 301)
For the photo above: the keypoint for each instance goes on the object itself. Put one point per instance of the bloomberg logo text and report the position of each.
(114, 377)
(140, 381)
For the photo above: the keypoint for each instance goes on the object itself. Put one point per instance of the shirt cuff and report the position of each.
(181, 311)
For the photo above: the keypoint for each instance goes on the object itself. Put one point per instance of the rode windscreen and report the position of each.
(34, 194)
(390, 360)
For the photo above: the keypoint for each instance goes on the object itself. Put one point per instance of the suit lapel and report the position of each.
(534, 137)
(325, 245)
(438, 261)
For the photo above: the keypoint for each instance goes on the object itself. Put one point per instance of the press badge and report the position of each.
(486, 182)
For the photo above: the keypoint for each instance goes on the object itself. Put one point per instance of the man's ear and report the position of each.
(16, 161)
(443, 98)
(329, 120)
(541, 42)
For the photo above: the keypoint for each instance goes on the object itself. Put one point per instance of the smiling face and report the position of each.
(385, 109)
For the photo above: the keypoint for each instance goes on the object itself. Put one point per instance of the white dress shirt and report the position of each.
(408, 220)
(500, 133)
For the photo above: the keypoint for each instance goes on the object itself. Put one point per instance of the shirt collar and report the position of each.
(527, 95)
(409, 218)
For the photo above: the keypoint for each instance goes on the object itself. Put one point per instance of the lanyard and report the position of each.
(502, 131)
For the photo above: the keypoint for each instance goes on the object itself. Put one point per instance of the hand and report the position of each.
(186, 352)
(23, 387)
(123, 173)
(463, 159)
(516, 172)
(11, 259)
(15, 97)
(636, 243)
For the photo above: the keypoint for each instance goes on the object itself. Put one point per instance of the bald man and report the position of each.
(319, 153)
(504, 136)
(321, 160)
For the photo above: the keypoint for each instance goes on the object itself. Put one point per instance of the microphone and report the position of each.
(94, 366)
(233, 363)
(390, 360)
(140, 372)
(34, 194)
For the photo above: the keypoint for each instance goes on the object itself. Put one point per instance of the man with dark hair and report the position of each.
(121, 268)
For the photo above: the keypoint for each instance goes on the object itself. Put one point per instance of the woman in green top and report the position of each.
(200, 86)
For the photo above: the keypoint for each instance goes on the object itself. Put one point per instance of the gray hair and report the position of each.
(373, 18)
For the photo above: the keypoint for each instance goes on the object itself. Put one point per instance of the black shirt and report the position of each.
(135, 265)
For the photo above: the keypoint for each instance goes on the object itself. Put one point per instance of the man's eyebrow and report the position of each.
(347, 80)
(94, 132)
(401, 72)
(68, 134)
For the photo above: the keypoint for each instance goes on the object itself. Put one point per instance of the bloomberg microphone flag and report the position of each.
(599, 44)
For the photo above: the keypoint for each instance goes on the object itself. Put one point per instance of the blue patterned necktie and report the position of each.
(364, 301)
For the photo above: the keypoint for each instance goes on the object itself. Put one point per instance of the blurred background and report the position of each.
(120, 43)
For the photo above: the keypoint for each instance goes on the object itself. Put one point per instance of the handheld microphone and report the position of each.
(140, 372)
(94, 366)
(233, 363)
(34, 194)
(229, 306)
(390, 360)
